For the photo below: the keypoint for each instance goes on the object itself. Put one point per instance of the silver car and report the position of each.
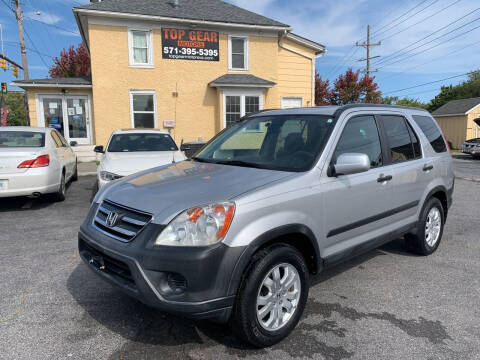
(235, 233)
(35, 161)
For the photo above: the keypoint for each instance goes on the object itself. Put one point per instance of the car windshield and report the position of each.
(141, 142)
(21, 139)
(281, 142)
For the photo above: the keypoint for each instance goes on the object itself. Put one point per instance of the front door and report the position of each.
(69, 114)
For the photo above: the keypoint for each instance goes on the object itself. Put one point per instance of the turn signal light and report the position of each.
(41, 161)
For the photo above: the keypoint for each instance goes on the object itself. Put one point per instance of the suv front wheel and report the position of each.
(272, 296)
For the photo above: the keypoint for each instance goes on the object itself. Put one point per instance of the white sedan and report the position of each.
(131, 151)
(35, 161)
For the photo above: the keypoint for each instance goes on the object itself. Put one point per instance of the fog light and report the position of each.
(177, 283)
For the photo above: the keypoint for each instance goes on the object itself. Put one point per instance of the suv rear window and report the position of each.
(23, 139)
(431, 131)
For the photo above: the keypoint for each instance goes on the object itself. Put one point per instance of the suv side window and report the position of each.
(398, 135)
(415, 142)
(56, 139)
(431, 131)
(360, 135)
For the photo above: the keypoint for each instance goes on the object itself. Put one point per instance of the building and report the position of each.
(192, 66)
(456, 120)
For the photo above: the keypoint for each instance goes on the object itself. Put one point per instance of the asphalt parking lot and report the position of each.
(386, 304)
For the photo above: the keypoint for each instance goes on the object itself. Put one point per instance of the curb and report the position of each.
(87, 173)
(467, 179)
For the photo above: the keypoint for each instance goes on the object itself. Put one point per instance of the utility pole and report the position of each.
(18, 15)
(367, 46)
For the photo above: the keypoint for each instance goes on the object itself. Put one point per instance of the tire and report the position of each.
(246, 319)
(75, 173)
(94, 191)
(60, 194)
(425, 242)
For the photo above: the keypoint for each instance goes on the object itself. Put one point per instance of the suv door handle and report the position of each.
(427, 167)
(383, 178)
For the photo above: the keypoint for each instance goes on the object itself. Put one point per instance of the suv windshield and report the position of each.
(23, 139)
(281, 142)
(141, 142)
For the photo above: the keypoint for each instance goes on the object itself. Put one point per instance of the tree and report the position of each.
(350, 88)
(323, 94)
(16, 109)
(395, 100)
(72, 63)
(467, 89)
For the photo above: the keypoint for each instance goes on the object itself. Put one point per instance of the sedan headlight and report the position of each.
(198, 226)
(108, 176)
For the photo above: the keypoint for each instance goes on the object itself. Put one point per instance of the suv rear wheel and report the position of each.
(272, 296)
(430, 229)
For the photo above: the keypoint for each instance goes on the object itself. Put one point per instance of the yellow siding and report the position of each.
(198, 109)
(295, 72)
(454, 128)
(473, 130)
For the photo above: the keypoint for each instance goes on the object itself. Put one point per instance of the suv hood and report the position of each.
(127, 163)
(166, 191)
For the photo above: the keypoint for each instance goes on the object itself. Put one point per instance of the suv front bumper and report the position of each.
(195, 282)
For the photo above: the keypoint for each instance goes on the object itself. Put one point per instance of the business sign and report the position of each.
(181, 44)
(168, 123)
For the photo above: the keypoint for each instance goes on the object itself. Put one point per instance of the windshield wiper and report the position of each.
(240, 163)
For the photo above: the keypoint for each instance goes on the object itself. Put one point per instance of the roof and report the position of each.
(80, 82)
(203, 10)
(241, 80)
(303, 40)
(457, 107)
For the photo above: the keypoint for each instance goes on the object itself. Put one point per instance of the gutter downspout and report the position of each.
(313, 60)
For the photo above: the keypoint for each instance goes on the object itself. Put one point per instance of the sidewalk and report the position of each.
(87, 168)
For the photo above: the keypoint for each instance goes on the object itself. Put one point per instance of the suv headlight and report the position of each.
(108, 176)
(198, 226)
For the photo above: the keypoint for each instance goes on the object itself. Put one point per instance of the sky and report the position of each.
(422, 41)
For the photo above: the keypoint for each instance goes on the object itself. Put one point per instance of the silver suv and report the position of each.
(234, 233)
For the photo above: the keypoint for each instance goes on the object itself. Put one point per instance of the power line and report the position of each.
(35, 47)
(430, 61)
(16, 43)
(353, 50)
(418, 22)
(399, 17)
(53, 25)
(8, 6)
(428, 83)
(367, 46)
(418, 12)
(391, 56)
(430, 48)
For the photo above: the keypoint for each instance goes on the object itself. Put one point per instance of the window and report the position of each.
(360, 135)
(238, 104)
(415, 142)
(62, 139)
(21, 139)
(140, 43)
(143, 108)
(238, 53)
(401, 147)
(232, 110)
(141, 142)
(283, 142)
(431, 131)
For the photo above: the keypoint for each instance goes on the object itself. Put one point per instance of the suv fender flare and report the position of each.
(439, 188)
(269, 237)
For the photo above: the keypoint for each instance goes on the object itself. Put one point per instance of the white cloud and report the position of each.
(44, 17)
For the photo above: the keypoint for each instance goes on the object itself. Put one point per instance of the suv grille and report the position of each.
(124, 226)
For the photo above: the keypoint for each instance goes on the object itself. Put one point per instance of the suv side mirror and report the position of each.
(98, 149)
(73, 143)
(351, 163)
